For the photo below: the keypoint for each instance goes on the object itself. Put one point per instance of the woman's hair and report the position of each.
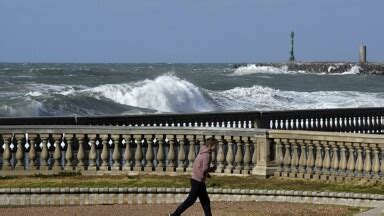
(211, 141)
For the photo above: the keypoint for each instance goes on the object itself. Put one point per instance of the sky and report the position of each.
(185, 31)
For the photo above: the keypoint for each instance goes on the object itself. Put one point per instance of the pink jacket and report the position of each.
(201, 165)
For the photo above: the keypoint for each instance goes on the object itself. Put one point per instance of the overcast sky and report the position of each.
(189, 30)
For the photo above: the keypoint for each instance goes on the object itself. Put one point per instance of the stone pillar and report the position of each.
(264, 167)
(376, 162)
(160, 154)
(138, 154)
(319, 158)
(191, 152)
(310, 160)
(181, 155)
(92, 153)
(69, 153)
(279, 157)
(351, 162)
(239, 156)
(359, 163)
(343, 159)
(254, 152)
(171, 154)
(287, 158)
(19, 152)
(116, 166)
(247, 156)
(230, 156)
(220, 156)
(80, 153)
(127, 153)
(327, 161)
(302, 159)
(367, 162)
(57, 153)
(7, 155)
(104, 153)
(295, 158)
(335, 158)
(149, 156)
(44, 152)
(32, 151)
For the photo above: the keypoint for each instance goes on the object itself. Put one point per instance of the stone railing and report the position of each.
(29, 150)
(328, 156)
(357, 120)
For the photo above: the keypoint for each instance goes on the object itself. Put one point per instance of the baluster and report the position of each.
(376, 162)
(181, 155)
(160, 157)
(116, 153)
(295, 158)
(104, 156)
(220, 156)
(149, 156)
(171, 155)
(230, 156)
(310, 160)
(319, 158)
(327, 160)
(57, 153)
(335, 159)
(92, 155)
(80, 152)
(381, 162)
(247, 156)
(239, 156)
(343, 159)
(359, 163)
(287, 158)
(127, 153)
(254, 154)
(32, 152)
(19, 152)
(44, 152)
(351, 161)
(279, 157)
(303, 158)
(138, 154)
(368, 162)
(7, 153)
(69, 153)
(191, 153)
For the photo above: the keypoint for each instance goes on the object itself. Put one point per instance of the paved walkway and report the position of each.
(218, 208)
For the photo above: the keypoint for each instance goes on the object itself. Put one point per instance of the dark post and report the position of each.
(292, 57)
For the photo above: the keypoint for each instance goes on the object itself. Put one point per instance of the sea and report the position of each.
(40, 89)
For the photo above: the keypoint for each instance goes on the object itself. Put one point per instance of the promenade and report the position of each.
(218, 208)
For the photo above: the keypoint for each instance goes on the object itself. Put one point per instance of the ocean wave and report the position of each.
(166, 93)
(255, 69)
(265, 98)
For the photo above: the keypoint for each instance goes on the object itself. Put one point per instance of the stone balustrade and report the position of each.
(328, 156)
(28, 150)
(92, 150)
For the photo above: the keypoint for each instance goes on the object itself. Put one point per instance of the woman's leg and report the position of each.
(193, 194)
(204, 200)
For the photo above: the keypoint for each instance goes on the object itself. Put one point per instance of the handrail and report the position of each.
(359, 120)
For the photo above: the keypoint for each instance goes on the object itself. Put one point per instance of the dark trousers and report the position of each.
(198, 189)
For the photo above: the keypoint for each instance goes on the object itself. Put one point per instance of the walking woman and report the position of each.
(200, 173)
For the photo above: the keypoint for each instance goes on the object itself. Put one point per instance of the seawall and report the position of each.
(327, 67)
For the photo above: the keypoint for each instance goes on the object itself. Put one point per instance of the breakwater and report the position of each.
(327, 67)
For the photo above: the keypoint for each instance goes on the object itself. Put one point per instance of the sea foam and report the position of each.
(166, 93)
